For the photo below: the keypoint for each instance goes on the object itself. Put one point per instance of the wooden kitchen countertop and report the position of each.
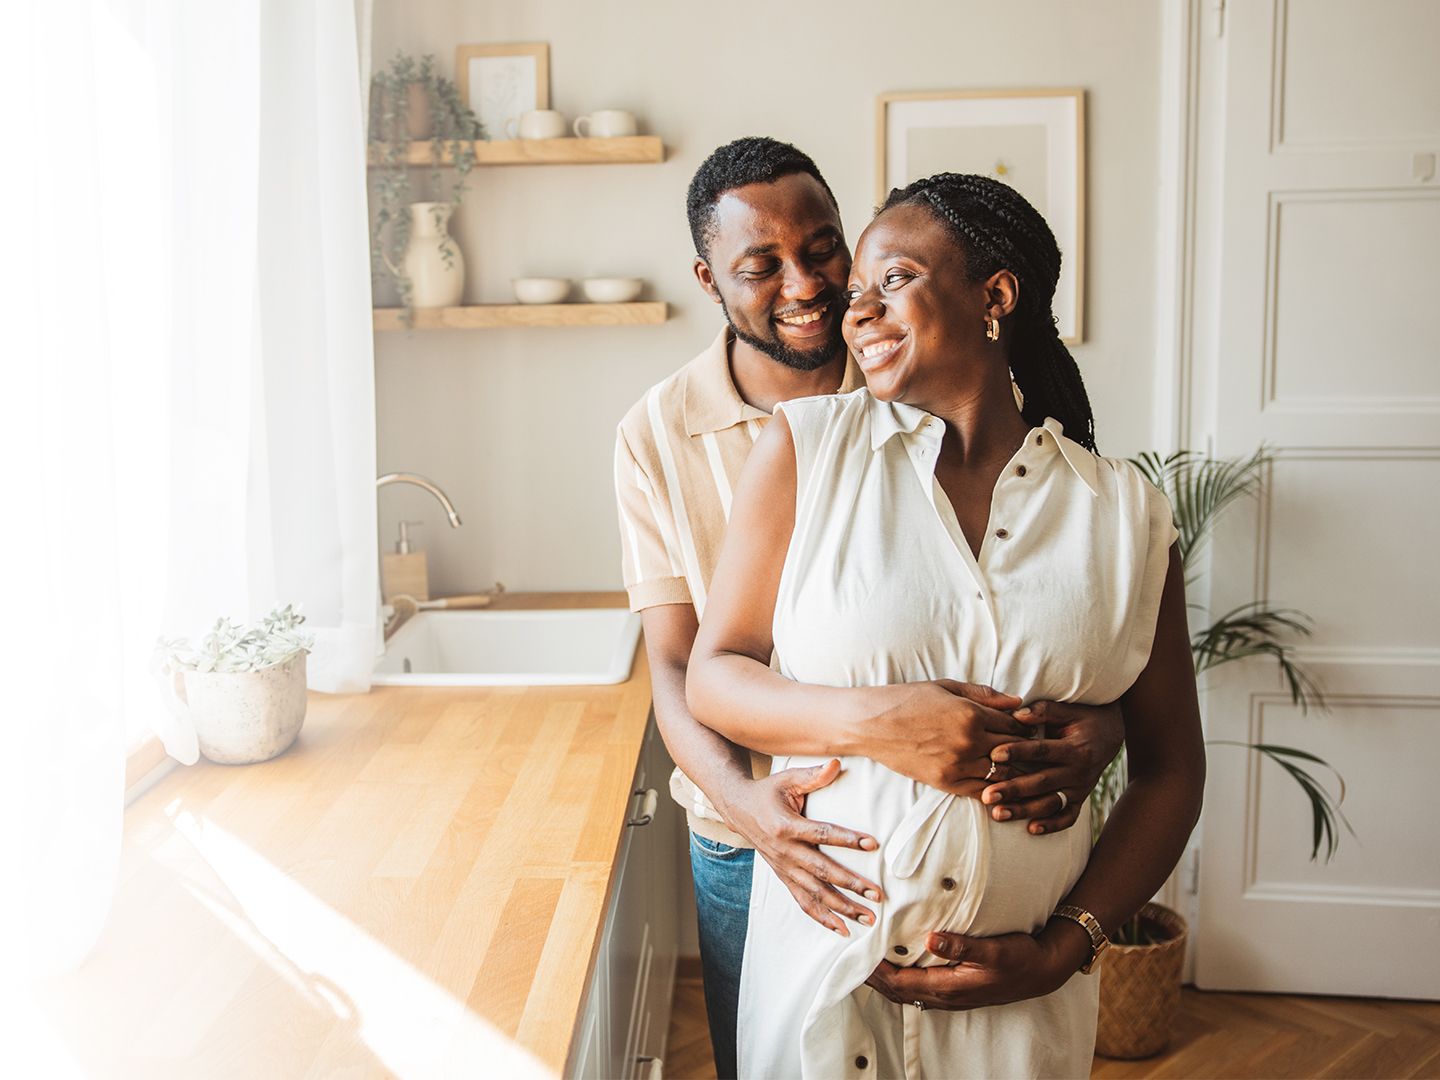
(416, 888)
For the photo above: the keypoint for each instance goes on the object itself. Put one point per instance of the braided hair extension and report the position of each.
(996, 229)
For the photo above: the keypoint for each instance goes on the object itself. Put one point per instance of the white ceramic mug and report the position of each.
(537, 124)
(606, 124)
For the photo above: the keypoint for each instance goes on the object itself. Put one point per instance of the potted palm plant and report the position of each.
(1140, 978)
(243, 688)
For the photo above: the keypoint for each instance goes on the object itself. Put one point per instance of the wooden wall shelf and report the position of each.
(623, 150)
(488, 316)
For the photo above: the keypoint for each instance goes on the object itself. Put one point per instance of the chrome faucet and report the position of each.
(420, 481)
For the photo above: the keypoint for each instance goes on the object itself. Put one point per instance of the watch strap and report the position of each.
(1091, 925)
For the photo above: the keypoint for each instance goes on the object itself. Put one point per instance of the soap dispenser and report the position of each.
(404, 570)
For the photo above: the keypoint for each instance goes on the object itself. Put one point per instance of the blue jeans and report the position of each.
(722, 900)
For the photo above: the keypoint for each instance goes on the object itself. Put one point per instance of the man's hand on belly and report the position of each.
(770, 814)
(986, 971)
(1080, 741)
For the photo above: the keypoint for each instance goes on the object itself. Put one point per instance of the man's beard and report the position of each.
(799, 359)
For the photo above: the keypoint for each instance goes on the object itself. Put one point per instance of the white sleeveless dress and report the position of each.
(879, 587)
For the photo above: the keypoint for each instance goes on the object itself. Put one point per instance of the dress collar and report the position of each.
(711, 401)
(891, 418)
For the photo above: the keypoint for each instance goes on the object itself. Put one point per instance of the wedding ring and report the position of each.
(1064, 802)
(993, 770)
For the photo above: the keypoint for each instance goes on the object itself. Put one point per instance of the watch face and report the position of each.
(1094, 964)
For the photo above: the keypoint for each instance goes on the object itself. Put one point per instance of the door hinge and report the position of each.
(1219, 8)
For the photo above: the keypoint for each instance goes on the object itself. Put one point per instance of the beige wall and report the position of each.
(518, 425)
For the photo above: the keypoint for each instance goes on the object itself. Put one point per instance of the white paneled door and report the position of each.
(1326, 325)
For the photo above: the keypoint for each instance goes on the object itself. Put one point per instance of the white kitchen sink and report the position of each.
(580, 647)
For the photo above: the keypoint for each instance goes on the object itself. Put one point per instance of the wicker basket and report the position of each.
(1140, 990)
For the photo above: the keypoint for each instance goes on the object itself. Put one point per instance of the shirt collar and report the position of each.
(891, 418)
(1076, 456)
(711, 401)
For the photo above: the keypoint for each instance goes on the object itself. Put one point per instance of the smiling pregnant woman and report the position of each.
(926, 529)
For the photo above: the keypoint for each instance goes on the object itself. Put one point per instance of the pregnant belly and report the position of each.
(1029, 875)
(943, 864)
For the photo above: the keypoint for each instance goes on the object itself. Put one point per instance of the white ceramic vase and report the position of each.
(247, 716)
(437, 279)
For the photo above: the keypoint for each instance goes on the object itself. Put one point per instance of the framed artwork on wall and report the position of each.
(501, 81)
(1033, 140)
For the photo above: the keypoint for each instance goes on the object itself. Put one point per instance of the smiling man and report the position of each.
(770, 251)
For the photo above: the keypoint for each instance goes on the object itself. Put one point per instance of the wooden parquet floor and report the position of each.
(687, 1051)
(1221, 1036)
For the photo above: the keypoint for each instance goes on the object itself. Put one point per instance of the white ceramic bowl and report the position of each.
(612, 290)
(541, 290)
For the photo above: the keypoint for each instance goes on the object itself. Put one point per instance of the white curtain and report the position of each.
(274, 415)
(188, 421)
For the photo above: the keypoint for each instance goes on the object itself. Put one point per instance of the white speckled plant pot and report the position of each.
(248, 716)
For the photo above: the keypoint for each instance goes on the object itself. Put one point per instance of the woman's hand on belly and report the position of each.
(942, 734)
(986, 971)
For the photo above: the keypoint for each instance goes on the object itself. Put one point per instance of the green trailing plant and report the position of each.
(454, 129)
(1200, 488)
(229, 647)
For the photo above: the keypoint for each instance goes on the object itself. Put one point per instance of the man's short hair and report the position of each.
(751, 160)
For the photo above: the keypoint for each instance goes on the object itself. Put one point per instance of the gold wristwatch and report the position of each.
(1091, 925)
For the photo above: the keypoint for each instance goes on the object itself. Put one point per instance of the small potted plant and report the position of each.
(1141, 973)
(409, 102)
(243, 688)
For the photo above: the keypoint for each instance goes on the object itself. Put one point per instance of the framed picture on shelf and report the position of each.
(501, 81)
(1033, 140)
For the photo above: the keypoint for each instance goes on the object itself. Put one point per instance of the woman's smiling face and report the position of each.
(914, 317)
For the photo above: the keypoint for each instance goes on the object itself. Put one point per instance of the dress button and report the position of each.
(901, 950)
(1019, 470)
(861, 1063)
(1002, 533)
(947, 883)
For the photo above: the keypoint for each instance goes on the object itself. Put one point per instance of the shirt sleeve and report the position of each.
(648, 550)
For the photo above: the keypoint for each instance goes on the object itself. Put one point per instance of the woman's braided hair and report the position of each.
(996, 229)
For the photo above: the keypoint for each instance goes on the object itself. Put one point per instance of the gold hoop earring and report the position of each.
(992, 328)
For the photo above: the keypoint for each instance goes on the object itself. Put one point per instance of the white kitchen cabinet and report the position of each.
(627, 1011)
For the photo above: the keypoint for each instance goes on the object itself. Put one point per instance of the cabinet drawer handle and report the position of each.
(656, 1071)
(647, 808)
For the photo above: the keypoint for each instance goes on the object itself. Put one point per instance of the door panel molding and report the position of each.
(1264, 545)
(1258, 887)
(1270, 399)
(1284, 143)
(1324, 655)
(1339, 894)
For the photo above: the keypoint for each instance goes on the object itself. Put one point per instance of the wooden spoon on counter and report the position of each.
(407, 606)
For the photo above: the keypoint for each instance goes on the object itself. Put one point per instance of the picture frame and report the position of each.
(1033, 140)
(501, 81)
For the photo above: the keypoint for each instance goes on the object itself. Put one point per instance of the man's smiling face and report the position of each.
(778, 264)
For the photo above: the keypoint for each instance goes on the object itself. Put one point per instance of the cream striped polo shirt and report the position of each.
(678, 454)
